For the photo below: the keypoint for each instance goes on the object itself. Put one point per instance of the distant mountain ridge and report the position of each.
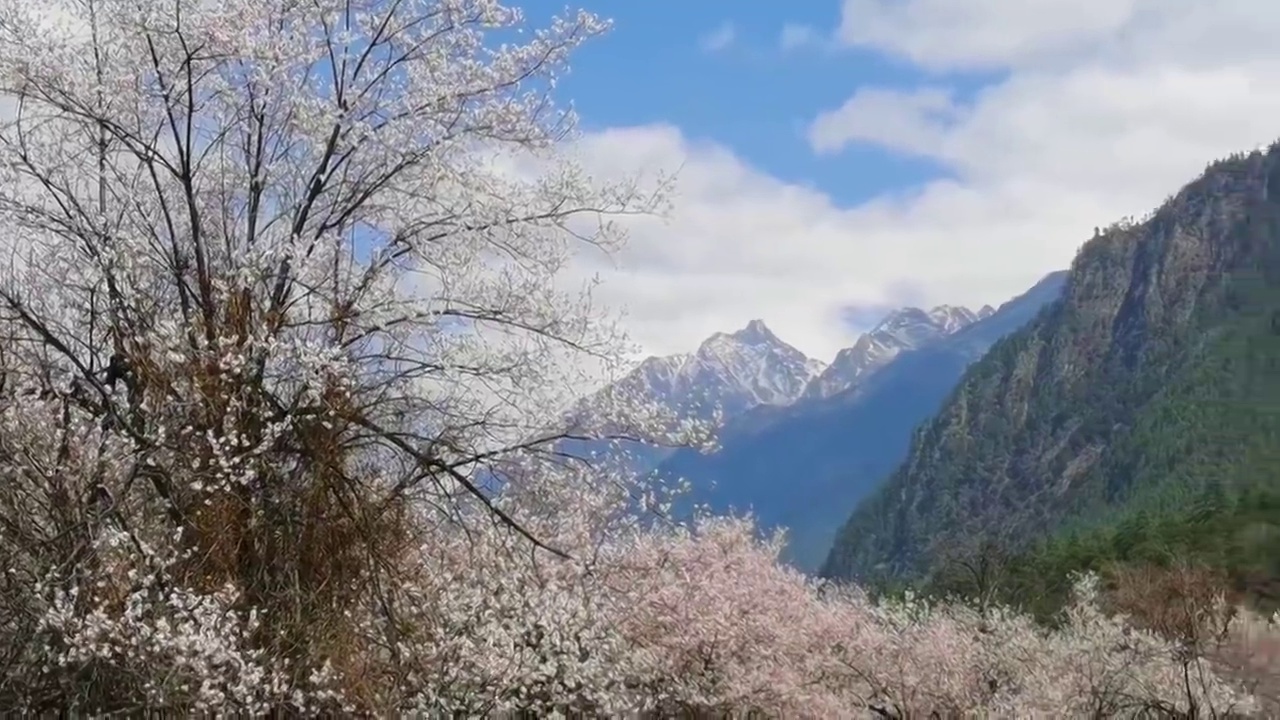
(909, 328)
(752, 369)
(802, 441)
(805, 465)
(738, 371)
(728, 374)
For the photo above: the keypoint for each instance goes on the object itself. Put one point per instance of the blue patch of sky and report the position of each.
(750, 96)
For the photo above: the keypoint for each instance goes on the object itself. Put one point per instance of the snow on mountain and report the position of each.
(906, 329)
(750, 373)
(728, 375)
(731, 372)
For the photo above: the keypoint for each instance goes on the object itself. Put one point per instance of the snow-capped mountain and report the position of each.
(738, 371)
(734, 373)
(731, 372)
(728, 375)
(906, 329)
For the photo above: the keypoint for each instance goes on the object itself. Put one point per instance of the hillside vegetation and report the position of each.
(1139, 414)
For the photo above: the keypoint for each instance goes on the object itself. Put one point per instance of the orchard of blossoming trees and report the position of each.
(284, 324)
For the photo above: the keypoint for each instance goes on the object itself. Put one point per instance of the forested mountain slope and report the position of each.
(1154, 380)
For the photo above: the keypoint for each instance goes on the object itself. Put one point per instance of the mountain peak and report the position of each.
(951, 318)
(901, 316)
(906, 328)
(755, 331)
(730, 372)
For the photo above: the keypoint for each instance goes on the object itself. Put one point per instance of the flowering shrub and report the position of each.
(644, 616)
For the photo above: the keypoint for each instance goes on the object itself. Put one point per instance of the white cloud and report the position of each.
(912, 122)
(981, 33)
(719, 38)
(1102, 108)
(742, 244)
(997, 34)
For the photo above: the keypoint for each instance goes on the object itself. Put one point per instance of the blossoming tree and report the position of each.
(279, 278)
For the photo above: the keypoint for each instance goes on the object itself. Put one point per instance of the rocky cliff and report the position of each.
(1155, 376)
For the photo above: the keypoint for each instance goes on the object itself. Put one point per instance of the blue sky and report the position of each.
(751, 95)
(908, 152)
